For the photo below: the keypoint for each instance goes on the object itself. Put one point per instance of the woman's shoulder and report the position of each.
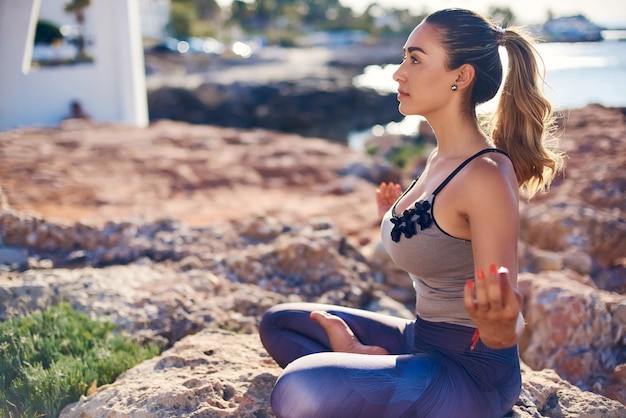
(491, 166)
(490, 175)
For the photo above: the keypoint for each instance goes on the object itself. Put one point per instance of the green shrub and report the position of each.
(403, 156)
(49, 359)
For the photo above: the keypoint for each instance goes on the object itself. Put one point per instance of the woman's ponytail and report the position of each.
(523, 123)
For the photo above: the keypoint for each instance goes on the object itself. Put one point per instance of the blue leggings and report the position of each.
(431, 371)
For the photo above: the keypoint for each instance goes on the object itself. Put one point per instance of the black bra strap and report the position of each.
(463, 164)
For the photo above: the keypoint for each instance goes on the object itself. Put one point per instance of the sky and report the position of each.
(610, 13)
(603, 12)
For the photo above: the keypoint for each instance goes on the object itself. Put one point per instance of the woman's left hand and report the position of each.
(494, 306)
(386, 196)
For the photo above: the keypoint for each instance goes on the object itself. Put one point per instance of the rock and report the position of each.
(213, 373)
(313, 108)
(199, 376)
(174, 302)
(13, 257)
(575, 329)
(575, 227)
(545, 394)
(4, 203)
(210, 275)
(583, 213)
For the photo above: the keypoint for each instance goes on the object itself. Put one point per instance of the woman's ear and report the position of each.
(465, 76)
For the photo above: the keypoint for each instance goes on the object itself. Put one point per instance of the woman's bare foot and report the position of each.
(341, 337)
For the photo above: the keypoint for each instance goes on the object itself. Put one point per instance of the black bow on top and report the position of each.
(407, 222)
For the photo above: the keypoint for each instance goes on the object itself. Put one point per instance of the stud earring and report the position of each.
(455, 87)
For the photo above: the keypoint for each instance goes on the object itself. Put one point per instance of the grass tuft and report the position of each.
(49, 359)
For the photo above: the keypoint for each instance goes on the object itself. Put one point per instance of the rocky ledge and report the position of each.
(185, 234)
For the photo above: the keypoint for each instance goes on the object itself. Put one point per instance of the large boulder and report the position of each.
(213, 373)
(576, 329)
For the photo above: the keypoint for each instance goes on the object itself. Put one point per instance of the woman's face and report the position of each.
(424, 82)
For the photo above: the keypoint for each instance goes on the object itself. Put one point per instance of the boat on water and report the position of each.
(571, 29)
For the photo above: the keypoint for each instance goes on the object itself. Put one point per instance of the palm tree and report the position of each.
(77, 7)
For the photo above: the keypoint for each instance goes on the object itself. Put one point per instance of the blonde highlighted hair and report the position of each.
(523, 123)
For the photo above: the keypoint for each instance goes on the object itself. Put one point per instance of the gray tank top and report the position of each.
(439, 264)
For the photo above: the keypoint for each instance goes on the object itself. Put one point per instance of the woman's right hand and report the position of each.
(386, 196)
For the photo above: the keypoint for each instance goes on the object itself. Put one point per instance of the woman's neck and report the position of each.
(458, 136)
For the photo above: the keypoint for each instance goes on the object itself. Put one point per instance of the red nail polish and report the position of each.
(480, 274)
(493, 269)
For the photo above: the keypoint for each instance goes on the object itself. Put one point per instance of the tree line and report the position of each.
(282, 21)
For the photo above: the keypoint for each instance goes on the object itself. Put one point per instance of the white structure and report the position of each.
(112, 88)
(154, 17)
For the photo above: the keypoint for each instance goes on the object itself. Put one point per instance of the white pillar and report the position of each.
(131, 67)
(18, 20)
(17, 31)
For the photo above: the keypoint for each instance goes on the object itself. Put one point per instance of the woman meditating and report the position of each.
(454, 230)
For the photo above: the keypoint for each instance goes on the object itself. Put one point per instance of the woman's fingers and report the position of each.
(494, 306)
(386, 195)
(510, 297)
(490, 291)
(389, 191)
(468, 297)
(487, 292)
(494, 286)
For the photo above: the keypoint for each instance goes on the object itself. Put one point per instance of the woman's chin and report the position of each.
(404, 111)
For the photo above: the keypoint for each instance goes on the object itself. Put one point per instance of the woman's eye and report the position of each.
(411, 58)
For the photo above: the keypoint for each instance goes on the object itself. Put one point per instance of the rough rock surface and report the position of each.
(218, 373)
(214, 373)
(177, 233)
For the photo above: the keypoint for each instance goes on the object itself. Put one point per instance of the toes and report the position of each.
(320, 316)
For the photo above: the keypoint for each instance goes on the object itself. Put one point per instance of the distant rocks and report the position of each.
(314, 107)
(307, 91)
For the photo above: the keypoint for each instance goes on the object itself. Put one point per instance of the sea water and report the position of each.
(577, 74)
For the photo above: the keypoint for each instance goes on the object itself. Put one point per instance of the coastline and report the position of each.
(277, 88)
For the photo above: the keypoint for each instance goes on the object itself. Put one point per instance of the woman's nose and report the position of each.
(398, 75)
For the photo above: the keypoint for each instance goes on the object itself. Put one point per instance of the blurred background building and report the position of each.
(61, 59)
